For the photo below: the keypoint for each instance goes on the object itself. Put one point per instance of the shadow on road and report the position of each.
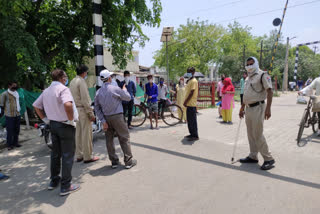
(249, 169)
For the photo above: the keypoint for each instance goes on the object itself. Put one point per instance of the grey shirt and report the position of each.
(108, 101)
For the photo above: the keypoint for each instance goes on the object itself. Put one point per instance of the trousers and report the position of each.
(118, 125)
(192, 121)
(257, 141)
(83, 136)
(13, 130)
(127, 109)
(63, 143)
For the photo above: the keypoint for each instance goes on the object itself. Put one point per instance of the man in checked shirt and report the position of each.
(109, 110)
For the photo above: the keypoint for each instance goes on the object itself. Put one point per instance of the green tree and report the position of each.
(200, 49)
(44, 34)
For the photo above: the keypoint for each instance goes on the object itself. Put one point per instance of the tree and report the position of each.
(39, 35)
(200, 49)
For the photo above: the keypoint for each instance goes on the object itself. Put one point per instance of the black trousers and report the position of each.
(127, 109)
(192, 121)
(13, 130)
(241, 98)
(161, 105)
(318, 120)
(63, 143)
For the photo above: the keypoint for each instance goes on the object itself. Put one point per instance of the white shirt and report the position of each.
(314, 85)
(162, 91)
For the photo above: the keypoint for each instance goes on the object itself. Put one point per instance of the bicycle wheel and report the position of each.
(139, 116)
(303, 121)
(315, 122)
(172, 114)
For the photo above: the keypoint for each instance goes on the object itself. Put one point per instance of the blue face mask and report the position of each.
(189, 75)
(161, 82)
(66, 82)
(86, 77)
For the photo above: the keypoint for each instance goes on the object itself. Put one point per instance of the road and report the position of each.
(174, 176)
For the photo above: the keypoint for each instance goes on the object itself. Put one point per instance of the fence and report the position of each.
(206, 96)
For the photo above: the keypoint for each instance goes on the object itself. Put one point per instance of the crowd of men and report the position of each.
(69, 113)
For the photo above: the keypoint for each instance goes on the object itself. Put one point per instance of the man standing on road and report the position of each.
(191, 104)
(80, 93)
(56, 106)
(258, 87)
(10, 107)
(242, 81)
(151, 94)
(163, 91)
(128, 105)
(109, 110)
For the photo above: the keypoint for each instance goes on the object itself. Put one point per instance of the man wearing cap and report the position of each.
(258, 87)
(109, 110)
(80, 93)
(56, 106)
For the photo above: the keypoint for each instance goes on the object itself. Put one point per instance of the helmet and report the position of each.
(105, 74)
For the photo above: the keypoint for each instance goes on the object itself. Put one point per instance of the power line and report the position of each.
(262, 13)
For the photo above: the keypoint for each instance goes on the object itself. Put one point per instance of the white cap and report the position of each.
(105, 74)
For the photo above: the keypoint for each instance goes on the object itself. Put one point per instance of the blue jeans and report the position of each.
(13, 130)
(63, 148)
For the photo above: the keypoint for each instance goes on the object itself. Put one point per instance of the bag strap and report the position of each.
(261, 85)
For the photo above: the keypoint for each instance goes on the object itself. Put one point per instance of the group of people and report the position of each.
(69, 113)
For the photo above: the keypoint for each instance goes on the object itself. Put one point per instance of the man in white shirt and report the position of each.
(163, 92)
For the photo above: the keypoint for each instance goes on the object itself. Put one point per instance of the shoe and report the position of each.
(193, 138)
(229, 123)
(267, 165)
(53, 184)
(73, 188)
(94, 159)
(79, 160)
(132, 163)
(130, 127)
(115, 164)
(223, 122)
(10, 148)
(188, 136)
(18, 145)
(248, 160)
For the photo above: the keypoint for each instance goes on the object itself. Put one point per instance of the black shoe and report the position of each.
(267, 165)
(188, 136)
(131, 164)
(115, 164)
(10, 148)
(71, 189)
(248, 160)
(18, 145)
(53, 184)
(193, 138)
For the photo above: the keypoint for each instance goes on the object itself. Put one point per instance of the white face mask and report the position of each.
(150, 80)
(181, 82)
(250, 68)
(126, 79)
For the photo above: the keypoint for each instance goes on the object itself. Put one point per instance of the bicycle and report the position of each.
(171, 114)
(307, 120)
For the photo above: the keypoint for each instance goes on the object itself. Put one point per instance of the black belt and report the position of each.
(256, 104)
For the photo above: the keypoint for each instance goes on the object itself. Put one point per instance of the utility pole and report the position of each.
(315, 49)
(261, 51)
(285, 73)
(167, 61)
(244, 57)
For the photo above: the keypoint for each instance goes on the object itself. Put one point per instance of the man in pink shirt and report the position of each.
(219, 93)
(55, 106)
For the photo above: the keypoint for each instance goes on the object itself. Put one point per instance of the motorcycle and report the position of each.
(44, 131)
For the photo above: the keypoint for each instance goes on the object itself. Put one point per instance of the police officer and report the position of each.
(258, 87)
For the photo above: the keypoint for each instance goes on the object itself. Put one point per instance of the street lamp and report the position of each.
(166, 36)
(285, 73)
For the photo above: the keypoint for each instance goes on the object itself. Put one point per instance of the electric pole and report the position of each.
(244, 57)
(285, 73)
(261, 51)
(315, 49)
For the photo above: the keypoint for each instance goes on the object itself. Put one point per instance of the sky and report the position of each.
(301, 21)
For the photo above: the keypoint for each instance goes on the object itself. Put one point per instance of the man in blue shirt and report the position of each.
(128, 105)
(151, 94)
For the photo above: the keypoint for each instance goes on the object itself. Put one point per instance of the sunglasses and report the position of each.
(248, 64)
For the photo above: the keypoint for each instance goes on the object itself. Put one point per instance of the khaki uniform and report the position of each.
(80, 93)
(254, 92)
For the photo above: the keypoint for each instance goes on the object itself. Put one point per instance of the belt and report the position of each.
(256, 104)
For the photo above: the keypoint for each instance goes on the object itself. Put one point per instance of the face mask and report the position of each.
(161, 82)
(126, 79)
(189, 75)
(250, 68)
(150, 80)
(86, 77)
(66, 82)
(181, 82)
